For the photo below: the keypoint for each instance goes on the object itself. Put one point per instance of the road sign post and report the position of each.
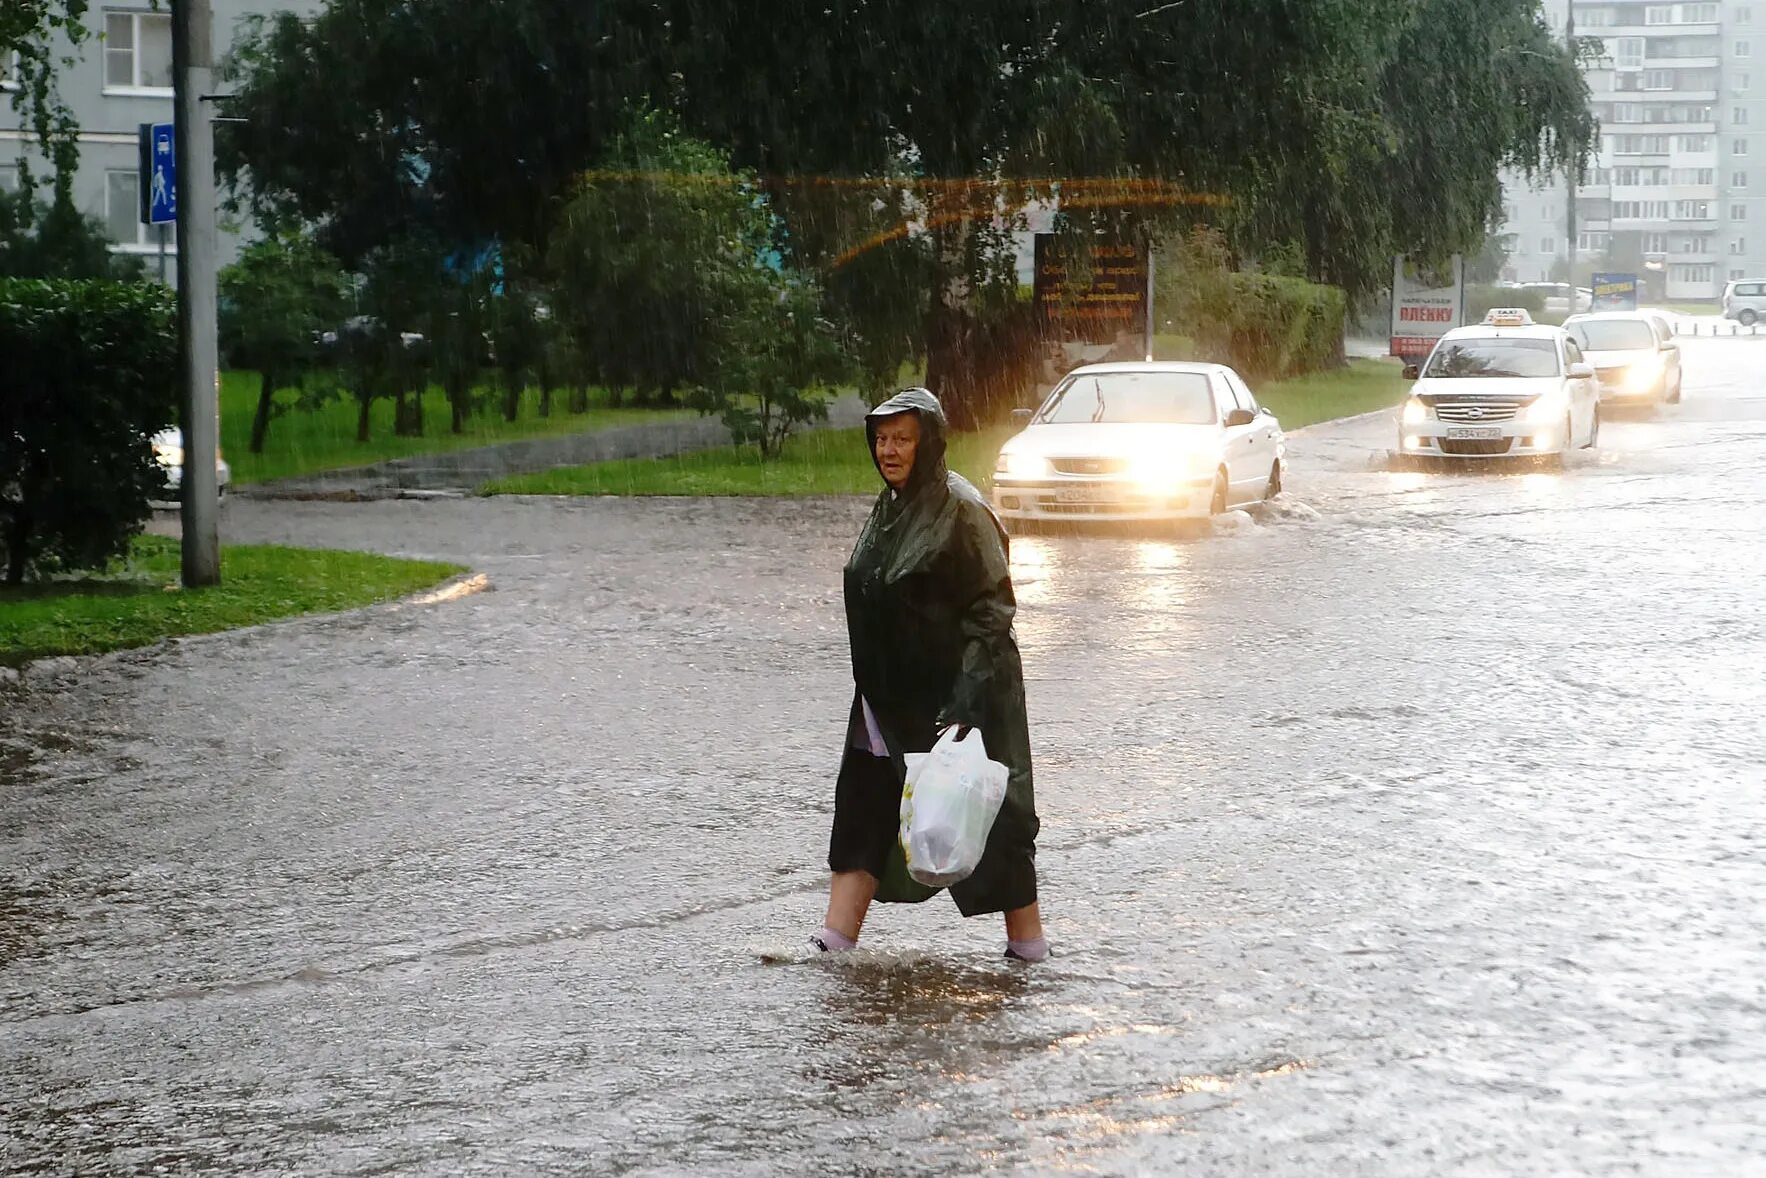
(158, 182)
(193, 57)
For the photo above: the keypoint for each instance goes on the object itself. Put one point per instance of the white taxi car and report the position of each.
(1141, 442)
(1635, 355)
(1506, 387)
(168, 451)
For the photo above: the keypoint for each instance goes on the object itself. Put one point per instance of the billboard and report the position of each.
(1615, 292)
(1427, 303)
(1095, 292)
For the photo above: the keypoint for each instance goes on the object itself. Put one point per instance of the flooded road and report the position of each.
(1418, 830)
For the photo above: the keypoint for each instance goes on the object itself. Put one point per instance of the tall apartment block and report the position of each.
(1677, 193)
(122, 77)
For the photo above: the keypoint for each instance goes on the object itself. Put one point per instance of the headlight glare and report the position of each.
(1416, 411)
(1022, 466)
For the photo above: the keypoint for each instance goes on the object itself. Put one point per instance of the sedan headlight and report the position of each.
(169, 455)
(1416, 411)
(1023, 466)
(1641, 376)
(1549, 409)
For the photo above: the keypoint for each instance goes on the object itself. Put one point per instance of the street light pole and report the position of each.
(1574, 170)
(193, 57)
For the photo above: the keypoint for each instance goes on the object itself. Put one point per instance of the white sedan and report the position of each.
(168, 450)
(1141, 442)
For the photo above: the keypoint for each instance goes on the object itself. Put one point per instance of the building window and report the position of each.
(1689, 143)
(1658, 79)
(122, 214)
(1738, 212)
(1692, 210)
(138, 51)
(1738, 117)
(1739, 82)
(1548, 245)
(1743, 49)
(1655, 243)
(1695, 176)
(1628, 52)
(1698, 14)
(1737, 275)
(9, 178)
(1744, 16)
(9, 71)
(1739, 246)
(1740, 147)
(1738, 180)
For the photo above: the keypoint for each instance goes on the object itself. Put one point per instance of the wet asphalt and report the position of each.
(1414, 827)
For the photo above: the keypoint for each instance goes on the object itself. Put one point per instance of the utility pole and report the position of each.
(1574, 170)
(193, 59)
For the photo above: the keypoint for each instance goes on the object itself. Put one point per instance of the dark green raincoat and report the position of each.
(929, 609)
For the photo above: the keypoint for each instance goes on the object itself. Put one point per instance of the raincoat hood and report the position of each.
(929, 464)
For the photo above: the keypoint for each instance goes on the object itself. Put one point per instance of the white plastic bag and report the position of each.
(948, 805)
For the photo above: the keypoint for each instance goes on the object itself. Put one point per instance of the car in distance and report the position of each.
(1634, 353)
(1507, 387)
(1140, 442)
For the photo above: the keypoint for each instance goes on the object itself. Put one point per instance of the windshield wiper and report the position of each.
(1098, 388)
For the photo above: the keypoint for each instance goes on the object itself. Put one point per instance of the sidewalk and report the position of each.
(462, 471)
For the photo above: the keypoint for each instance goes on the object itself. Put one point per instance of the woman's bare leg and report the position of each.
(1024, 924)
(849, 898)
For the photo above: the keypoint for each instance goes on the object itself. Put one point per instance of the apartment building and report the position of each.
(1676, 192)
(122, 77)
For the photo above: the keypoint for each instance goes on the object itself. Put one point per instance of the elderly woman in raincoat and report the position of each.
(929, 610)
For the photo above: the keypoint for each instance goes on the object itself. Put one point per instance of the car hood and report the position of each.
(1110, 440)
(1502, 388)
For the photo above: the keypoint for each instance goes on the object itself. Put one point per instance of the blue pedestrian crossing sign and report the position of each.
(159, 174)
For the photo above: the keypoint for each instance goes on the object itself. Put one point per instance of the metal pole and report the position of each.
(192, 69)
(1149, 301)
(161, 227)
(1574, 171)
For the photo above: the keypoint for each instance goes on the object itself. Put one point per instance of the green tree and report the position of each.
(91, 376)
(29, 31)
(57, 241)
(275, 301)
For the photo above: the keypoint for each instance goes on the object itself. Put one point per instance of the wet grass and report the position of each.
(835, 462)
(140, 601)
(304, 441)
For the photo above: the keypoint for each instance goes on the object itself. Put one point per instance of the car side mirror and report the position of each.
(1238, 417)
(1413, 372)
(1581, 372)
(1022, 417)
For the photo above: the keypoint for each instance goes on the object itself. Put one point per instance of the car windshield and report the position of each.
(1613, 335)
(1494, 357)
(1133, 398)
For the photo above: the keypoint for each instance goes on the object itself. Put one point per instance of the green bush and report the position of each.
(91, 376)
(1265, 326)
(1480, 299)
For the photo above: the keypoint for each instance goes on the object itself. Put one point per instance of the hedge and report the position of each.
(91, 374)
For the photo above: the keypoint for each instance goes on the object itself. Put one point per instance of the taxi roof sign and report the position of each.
(1508, 317)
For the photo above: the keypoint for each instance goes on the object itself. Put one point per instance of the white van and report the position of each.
(1745, 301)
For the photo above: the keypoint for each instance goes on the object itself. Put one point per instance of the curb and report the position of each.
(52, 670)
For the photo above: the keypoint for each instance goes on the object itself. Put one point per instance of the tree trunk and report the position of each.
(545, 395)
(260, 422)
(18, 535)
(512, 390)
(579, 399)
(457, 394)
(950, 359)
(363, 400)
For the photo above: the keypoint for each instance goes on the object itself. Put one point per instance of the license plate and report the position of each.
(1475, 434)
(1086, 495)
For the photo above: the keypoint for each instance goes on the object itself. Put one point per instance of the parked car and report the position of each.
(1745, 301)
(1141, 442)
(1563, 299)
(1634, 353)
(1507, 387)
(168, 448)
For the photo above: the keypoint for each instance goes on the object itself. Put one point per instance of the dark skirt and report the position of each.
(867, 837)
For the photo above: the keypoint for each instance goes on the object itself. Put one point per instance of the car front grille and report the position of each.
(1477, 412)
(1090, 465)
(1476, 446)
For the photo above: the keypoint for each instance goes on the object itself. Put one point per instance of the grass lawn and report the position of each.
(835, 462)
(1711, 308)
(325, 439)
(140, 601)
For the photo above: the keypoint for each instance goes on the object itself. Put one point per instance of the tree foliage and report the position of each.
(91, 376)
(56, 240)
(276, 300)
(31, 29)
